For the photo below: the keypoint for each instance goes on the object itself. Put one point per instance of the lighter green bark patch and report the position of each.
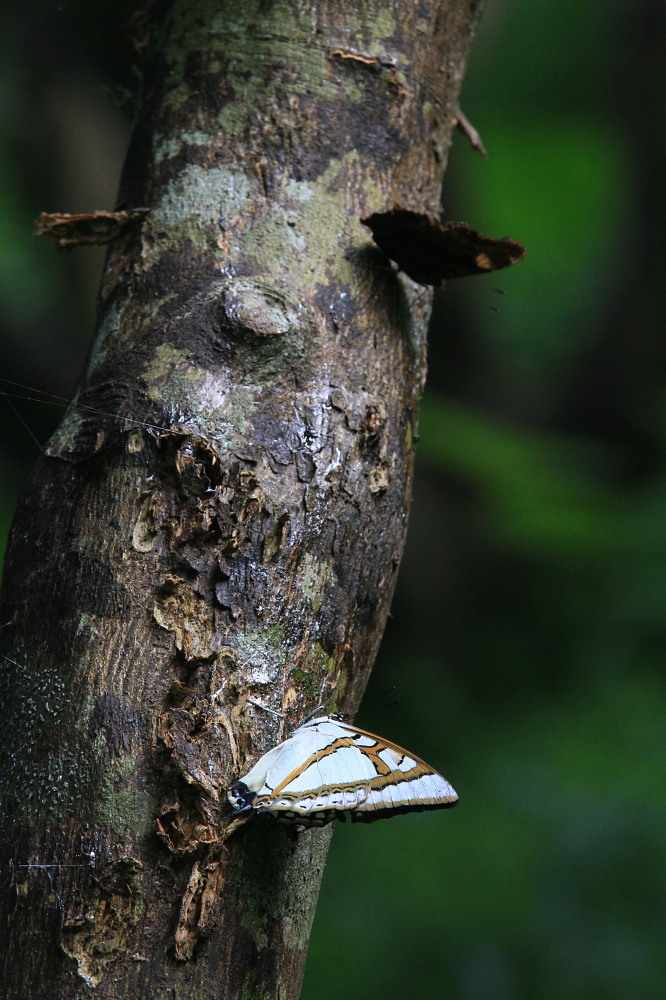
(264, 651)
(165, 359)
(318, 661)
(308, 677)
(64, 440)
(198, 194)
(123, 806)
(195, 207)
(166, 147)
(316, 577)
(195, 396)
(382, 26)
(307, 231)
(376, 200)
(108, 330)
(284, 41)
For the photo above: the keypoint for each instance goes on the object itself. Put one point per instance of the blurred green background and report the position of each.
(528, 633)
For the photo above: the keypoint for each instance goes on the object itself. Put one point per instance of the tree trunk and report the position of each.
(234, 530)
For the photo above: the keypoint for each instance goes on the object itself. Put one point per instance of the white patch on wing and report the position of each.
(390, 757)
(364, 741)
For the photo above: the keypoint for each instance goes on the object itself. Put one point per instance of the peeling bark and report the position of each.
(234, 529)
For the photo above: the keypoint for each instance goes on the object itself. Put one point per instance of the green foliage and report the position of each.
(534, 488)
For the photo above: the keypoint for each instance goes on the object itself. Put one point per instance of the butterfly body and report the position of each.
(329, 767)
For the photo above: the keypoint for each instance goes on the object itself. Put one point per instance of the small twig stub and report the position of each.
(66, 231)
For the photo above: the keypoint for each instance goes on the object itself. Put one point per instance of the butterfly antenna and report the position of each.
(378, 702)
(469, 293)
(313, 714)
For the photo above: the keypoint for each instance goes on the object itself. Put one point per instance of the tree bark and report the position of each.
(234, 529)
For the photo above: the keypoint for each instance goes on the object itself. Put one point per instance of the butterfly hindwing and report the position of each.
(328, 767)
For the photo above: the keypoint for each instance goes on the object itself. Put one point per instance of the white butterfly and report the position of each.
(328, 766)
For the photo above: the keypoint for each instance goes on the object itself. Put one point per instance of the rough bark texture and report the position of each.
(236, 530)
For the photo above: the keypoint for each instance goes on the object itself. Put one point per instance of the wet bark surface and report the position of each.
(221, 515)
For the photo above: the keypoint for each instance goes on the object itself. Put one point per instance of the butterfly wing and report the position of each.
(464, 251)
(309, 777)
(430, 252)
(328, 767)
(401, 782)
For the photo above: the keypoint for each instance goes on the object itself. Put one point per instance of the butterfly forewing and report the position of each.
(329, 767)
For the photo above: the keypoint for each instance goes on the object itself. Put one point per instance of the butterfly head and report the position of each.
(240, 797)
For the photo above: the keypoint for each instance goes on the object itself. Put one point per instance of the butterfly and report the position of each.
(430, 252)
(329, 767)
